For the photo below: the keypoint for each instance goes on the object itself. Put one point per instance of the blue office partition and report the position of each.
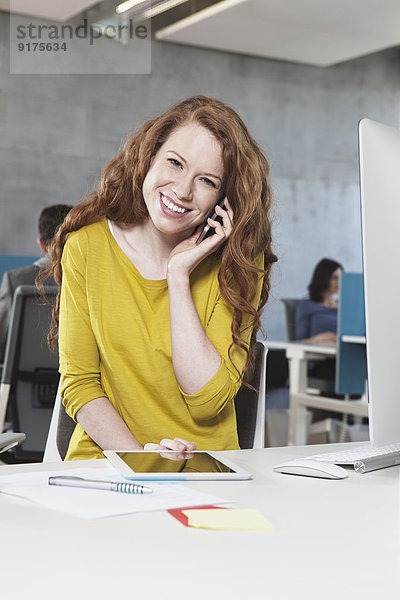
(14, 261)
(351, 360)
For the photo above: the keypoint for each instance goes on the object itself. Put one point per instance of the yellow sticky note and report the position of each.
(230, 519)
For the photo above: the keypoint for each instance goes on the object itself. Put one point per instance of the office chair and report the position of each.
(60, 431)
(30, 373)
(249, 406)
(290, 305)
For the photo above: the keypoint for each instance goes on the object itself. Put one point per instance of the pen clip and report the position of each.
(71, 477)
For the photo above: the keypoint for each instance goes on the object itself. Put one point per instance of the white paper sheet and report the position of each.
(94, 504)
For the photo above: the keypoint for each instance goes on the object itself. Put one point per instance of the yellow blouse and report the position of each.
(114, 341)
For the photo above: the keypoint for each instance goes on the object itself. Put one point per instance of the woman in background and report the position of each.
(155, 329)
(316, 317)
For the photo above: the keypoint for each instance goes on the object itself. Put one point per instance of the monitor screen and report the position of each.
(379, 147)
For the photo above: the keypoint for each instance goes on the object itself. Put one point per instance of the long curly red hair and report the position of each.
(119, 197)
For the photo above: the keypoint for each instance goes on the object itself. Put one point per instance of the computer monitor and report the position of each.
(379, 150)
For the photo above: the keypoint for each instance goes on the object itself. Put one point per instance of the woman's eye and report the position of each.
(174, 162)
(209, 182)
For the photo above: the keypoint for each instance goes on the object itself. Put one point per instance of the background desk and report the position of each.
(298, 355)
(332, 539)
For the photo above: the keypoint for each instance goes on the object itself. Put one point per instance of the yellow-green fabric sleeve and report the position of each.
(79, 356)
(223, 387)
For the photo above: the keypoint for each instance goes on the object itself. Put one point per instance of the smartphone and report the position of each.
(208, 230)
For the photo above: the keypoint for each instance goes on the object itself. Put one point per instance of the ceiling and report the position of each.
(314, 32)
(47, 9)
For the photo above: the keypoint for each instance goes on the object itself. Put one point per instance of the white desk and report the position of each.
(354, 339)
(332, 540)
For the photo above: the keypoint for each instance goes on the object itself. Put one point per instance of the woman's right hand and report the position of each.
(179, 445)
(323, 338)
(187, 254)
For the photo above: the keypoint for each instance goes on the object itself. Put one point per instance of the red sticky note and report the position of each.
(177, 513)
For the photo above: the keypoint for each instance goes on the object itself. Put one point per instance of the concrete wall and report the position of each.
(57, 132)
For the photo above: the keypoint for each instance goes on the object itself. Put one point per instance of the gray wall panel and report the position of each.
(58, 132)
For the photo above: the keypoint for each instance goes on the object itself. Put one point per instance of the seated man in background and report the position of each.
(50, 219)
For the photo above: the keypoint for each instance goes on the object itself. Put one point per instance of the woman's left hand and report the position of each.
(187, 254)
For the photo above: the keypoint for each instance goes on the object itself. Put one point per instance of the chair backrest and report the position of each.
(250, 404)
(60, 431)
(30, 373)
(290, 305)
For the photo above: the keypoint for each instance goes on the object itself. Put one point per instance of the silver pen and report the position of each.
(111, 486)
(377, 462)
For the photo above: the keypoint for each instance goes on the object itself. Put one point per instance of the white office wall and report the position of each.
(58, 132)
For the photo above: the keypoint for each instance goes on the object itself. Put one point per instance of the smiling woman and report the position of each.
(184, 181)
(156, 330)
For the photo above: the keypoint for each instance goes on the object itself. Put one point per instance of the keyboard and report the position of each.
(356, 453)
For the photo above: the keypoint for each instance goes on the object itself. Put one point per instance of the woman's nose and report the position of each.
(183, 189)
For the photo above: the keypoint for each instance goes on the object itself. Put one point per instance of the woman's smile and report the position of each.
(172, 208)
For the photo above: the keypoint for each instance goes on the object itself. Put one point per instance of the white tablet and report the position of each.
(171, 465)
